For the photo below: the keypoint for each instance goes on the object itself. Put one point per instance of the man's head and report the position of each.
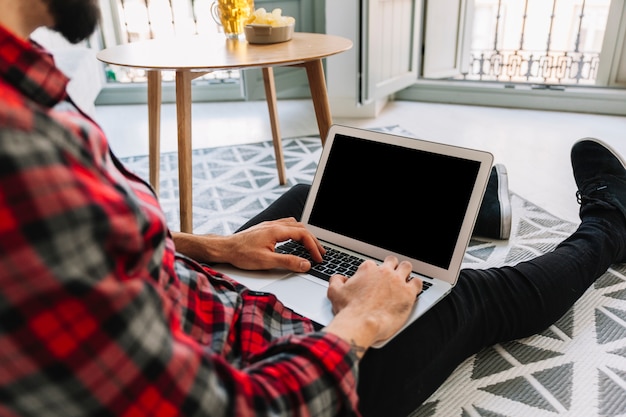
(74, 19)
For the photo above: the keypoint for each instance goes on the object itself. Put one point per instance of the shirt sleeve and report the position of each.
(86, 329)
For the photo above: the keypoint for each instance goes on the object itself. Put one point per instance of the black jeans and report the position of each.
(484, 308)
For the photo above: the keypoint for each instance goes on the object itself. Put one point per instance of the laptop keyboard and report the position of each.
(335, 261)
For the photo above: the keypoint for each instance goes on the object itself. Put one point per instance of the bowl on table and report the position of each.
(261, 33)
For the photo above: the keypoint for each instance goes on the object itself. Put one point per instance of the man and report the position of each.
(99, 315)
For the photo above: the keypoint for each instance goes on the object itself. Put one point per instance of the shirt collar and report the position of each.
(31, 70)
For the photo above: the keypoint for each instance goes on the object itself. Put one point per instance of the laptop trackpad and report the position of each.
(304, 296)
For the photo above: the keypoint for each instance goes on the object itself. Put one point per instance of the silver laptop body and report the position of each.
(376, 194)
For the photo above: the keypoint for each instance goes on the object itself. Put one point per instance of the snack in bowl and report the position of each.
(264, 27)
(275, 18)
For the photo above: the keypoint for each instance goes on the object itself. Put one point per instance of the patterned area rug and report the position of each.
(575, 368)
(232, 183)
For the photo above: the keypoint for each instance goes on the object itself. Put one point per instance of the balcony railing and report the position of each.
(537, 41)
(564, 67)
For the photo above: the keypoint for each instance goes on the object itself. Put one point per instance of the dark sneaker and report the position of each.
(600, 175)
(494, 216)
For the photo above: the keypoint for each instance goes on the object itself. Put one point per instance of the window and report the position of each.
(132, 20)
(549, 54)
(548, 42)
(126, 21)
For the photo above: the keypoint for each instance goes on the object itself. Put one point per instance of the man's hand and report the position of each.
(374, 303)
(253, 248)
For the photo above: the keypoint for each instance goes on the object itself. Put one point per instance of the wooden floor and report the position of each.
(533, 145)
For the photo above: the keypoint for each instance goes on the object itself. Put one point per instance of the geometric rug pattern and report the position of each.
(231, 183)
(577, 367)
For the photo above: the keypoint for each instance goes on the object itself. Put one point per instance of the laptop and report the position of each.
(376, 194)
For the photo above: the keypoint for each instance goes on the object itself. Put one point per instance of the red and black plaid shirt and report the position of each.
(98, 314)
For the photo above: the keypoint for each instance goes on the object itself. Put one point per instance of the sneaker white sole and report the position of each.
(505, 201)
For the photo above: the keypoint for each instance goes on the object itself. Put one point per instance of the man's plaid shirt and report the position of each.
(98, 314)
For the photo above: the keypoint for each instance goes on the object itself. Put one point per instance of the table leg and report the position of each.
(270, 95)
(154, 127)
(183, 117)
(317, 84)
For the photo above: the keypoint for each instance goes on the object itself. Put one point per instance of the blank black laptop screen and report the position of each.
(408, 201)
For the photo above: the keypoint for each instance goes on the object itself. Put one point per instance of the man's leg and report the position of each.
(289, 204)
(501, 304)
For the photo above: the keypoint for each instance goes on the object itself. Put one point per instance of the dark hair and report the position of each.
(74, 19)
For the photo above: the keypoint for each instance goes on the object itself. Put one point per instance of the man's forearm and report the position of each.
(205, 248)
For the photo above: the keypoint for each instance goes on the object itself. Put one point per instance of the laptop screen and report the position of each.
(408, 201)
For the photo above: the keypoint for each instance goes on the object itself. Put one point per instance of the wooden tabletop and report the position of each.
(213, 52)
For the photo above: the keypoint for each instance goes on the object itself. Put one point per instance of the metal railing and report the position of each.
(555, 67)
(537, 41)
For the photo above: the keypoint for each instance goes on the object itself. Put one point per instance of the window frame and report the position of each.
(290, 82)
(608, 98)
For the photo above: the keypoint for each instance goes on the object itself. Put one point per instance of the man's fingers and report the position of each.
(315, 248)
(337, 279)
(286, 220)
(404, 269)
(391, 261)
(292, 262)
(334, 284)
(415, 282)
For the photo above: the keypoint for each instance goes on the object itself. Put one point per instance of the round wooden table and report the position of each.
(194, 56)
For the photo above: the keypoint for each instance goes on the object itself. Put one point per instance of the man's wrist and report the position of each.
(359, 332)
